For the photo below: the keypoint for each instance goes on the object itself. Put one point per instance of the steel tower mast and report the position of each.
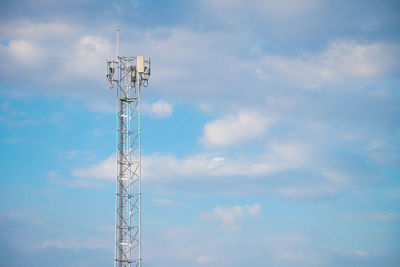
(128, 75)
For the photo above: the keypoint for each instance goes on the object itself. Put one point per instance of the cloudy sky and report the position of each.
(270, 132)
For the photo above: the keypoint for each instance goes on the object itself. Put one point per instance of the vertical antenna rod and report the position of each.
(128, 75)
(118, 42)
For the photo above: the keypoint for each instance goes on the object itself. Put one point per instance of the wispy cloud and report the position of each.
(280, 157)
(340, 61)
(167, 202)
(86, 57)
(267, 173)
(55, 177)
(105, 170)
(229, 217)
(158, 109)
(375, 216)
(236, 129)
(24, 52)
(206, 259)
(33, 30)
(11, 116)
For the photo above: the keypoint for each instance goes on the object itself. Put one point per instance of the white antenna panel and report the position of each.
(140, 64)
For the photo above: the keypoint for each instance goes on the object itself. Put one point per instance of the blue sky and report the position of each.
(271, 132)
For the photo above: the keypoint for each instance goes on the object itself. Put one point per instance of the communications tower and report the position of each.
(128, 75)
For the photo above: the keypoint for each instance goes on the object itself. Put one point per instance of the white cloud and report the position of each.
(105, 170)
(229, 217)
(178, 72)
(167, 167)
(330, 182)
(39, 47)
(54, 177)
(87, 58)
(307, 191)
(61, 59)
(37, 31)
(30, 230)
(340, 61)
(253, 173)
(22, 52)
(360, 253)
(236, 12)
(29, 44)
(232, 130)
(158, 109)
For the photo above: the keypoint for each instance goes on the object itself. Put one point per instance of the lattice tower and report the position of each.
(128, 75)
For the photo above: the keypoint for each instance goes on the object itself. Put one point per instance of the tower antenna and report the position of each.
(118, 42)
(128, 75)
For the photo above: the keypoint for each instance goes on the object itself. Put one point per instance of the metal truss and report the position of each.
(128, 75)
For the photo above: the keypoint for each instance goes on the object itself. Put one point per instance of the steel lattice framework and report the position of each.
(128, 75)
